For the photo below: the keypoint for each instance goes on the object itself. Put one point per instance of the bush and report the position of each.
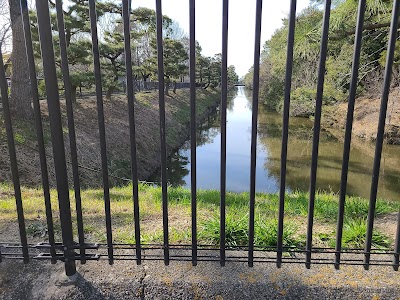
(303, 99)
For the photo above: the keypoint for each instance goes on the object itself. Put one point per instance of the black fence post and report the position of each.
(53, 102)
(254, 120)
(381, 130)
(39, 127)
(13, 160)
(285, 130)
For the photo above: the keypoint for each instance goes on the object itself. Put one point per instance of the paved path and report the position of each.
(180, 280)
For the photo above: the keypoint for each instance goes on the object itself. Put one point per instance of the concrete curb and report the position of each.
(180, 280)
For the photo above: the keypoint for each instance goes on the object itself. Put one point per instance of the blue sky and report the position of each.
(241, 24)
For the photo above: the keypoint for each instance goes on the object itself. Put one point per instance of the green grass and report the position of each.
(24, 132)
(237, 234)
(179, 202)
(354, 232)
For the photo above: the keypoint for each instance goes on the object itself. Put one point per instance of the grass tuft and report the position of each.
(237, 231)
(354, 233)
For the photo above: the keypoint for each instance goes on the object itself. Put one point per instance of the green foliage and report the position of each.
(303, 100)
(340, 54)
(111, 45)
(113, 65)
(233, 78)
(208, 70)
(175, 57)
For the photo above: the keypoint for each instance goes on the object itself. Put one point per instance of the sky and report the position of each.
(240, 27)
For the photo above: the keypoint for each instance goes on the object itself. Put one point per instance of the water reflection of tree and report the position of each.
(329, 160)
(270, 132)
(230, 103)
(207, 132)
(299, 152)
(178, 162)
(177, 169)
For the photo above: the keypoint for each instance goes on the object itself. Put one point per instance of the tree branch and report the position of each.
(365, 28)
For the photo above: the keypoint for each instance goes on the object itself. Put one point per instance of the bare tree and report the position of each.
(5, 25)
(20, 85)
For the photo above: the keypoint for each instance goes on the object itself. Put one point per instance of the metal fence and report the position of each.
(70, 251)
(153, 85)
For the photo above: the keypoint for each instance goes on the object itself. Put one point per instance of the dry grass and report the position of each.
(366, 116)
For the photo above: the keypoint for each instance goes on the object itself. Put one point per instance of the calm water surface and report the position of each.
(268, 156)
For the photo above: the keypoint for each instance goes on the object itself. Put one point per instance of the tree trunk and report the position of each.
(145, 81)
(166, 87)
(73, 93)
(109, 92)
(20, 98)
(174, 87)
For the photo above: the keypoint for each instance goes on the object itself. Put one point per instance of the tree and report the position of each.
(143, 32)
(202, 66)
(20, 98)
(5, 24)
(233, 78)
(175, 57)
(214, 71)
(77, 29)
(340, 50)
(111, 51)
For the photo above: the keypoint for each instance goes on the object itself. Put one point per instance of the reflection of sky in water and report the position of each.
(237, 156)
(268, 156)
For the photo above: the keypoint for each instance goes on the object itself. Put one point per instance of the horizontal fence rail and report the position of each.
(69, 250)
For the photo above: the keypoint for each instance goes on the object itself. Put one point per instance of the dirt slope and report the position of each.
(366, 116)
(117, 136)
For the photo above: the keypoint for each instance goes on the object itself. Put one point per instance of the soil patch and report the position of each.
(366, 116)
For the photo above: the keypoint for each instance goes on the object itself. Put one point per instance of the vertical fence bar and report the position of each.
(71, 127)
(161, 87)
(102, 128)
(397, 246)
(53, 103)
(13, 159)
(381, 130)
(132, 132)
(317, 129)
(285, 130)
(254, 119)
(349, 128)
(39, 127)
(224, 99)
(193, 123)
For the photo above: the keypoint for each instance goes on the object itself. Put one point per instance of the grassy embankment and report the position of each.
(117, 136)
(296, 207)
